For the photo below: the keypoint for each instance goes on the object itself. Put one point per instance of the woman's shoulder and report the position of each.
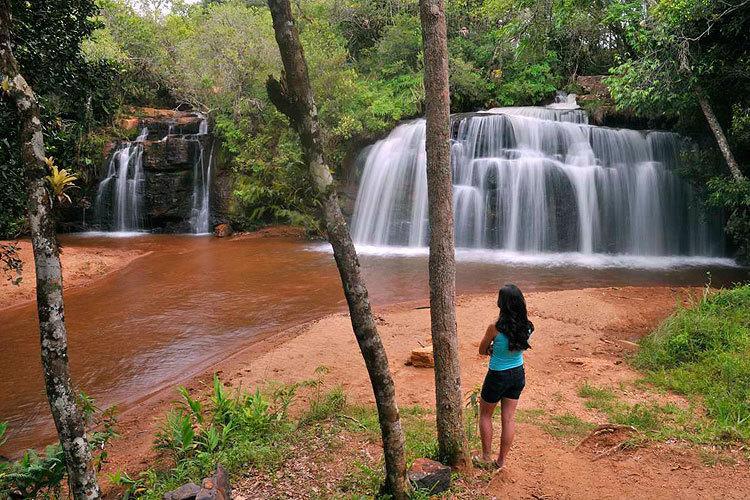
(491, 330)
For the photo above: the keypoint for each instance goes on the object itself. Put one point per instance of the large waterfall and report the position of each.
(534, 179)
(120, 193)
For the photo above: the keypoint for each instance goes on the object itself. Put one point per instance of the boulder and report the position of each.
(215, 487)
(187, 491)
(223, 230)
(426, 474)
(421, 358)
(128, 124)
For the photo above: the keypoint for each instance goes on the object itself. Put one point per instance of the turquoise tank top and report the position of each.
(502, 358)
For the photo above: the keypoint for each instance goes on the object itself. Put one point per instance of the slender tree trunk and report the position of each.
(49, 290)
(721, 139)
(293, 96)
(442, 267)
(685, 68)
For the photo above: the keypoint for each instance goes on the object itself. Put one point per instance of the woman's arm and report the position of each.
(489, 336)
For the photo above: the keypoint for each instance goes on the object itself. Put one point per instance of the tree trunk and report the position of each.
(442, 266)
(293, 96)
(721, 139)
(49, 290)
(708, 111)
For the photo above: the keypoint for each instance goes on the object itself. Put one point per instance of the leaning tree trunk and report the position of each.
(685, 68)
(293, 96)
(721, 139)
(49, 290)
(442, 266)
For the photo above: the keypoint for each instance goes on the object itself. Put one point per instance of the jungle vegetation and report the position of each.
(91, 62)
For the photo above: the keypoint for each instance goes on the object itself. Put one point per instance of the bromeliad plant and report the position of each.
(60, 181)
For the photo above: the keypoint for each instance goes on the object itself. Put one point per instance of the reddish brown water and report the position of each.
(195, 300)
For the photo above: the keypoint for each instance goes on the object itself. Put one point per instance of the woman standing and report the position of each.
(504, 342)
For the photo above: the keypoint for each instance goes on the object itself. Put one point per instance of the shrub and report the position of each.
(40, 475)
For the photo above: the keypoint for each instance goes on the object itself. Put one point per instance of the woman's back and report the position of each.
(502, 358)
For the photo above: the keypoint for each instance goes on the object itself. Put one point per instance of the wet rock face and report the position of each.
(168, 197)
(172, 151)
(169, 165)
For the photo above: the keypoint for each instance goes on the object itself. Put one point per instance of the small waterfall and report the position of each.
(201, 199)
(538, 179)
(119, 197)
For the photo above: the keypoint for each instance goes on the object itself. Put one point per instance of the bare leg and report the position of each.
(485, 428)
(508, 410)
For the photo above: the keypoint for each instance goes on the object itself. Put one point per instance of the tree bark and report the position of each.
(49, 290)
(442, 265)
(293, 96)
(721, 139)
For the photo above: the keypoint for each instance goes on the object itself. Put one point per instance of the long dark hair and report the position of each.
(513, 321)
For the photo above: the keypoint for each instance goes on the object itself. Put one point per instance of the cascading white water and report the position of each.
(120, 193)
(201, 200)
(536, 179)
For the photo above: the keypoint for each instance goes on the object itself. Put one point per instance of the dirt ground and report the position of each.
(80, 267)
(581, 336)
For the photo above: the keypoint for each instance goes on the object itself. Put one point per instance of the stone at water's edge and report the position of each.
(215, 487)
(223, 231)
(187, 491)
(421, 358)
(426, 474)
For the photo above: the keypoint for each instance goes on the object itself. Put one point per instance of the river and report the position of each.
(195, 300)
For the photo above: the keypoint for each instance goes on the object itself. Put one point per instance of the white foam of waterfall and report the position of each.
(120, 194)
(563, 100)
(536, 179)
(201, 200)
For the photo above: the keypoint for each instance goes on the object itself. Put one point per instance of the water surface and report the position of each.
(195, 300)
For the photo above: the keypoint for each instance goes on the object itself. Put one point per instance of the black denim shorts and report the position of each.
(503, 384)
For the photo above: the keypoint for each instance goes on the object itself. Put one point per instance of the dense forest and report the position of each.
(89, 61)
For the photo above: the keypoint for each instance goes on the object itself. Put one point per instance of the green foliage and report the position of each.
(734, 197)
(678, 51)
(178, 52)
(40, 475)
(12, 190)
(704, 352)
(325, 407)
(233, 428)
(35, 475)
(75, 93)
(12, 265)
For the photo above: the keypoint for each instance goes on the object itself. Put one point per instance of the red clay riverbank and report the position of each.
(81, 266)
(581, 336)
